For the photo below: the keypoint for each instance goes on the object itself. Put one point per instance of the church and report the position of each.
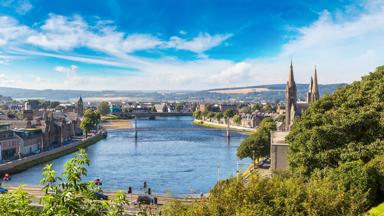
(292, 105)
(293, 108)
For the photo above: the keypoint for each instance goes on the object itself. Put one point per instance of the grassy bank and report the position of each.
(217, 126)
(24, 166)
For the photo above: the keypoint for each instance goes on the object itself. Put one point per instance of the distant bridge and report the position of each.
(151, 114)
(171, 129)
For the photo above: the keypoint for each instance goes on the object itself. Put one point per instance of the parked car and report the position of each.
(100, 196)
(146, 199)
(3, 190)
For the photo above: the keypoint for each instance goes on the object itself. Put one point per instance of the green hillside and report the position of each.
(336, 158)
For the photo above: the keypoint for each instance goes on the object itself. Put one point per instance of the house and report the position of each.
(9, 146)
(161, 108)
(30, 140)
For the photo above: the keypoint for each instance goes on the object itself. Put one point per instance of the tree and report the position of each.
(256, 106)
(258, 144)
(90, 120)
(237, 119)
(229, 113)
(211, 115)
(267, 108)
(246, 109)
(341, 127)
(197, 114)
(219, 116)
(63, 195)
(103, 108)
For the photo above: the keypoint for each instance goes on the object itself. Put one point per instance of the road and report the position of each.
(132, 209)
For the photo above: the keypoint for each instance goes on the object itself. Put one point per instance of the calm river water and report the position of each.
(179, 162)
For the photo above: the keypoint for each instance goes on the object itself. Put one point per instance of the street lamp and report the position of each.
(253, 159)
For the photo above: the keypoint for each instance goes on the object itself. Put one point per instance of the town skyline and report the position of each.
(136, 45)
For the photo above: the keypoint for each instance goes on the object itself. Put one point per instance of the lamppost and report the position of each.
(253, 159)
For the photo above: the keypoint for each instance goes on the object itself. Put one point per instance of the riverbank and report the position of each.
(221, 126)
(117, 124)
(22, 164)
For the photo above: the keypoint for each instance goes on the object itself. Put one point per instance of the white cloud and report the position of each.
(20, 6)
(69, 71)
(11, 30)
(60, 33)
(344, 46)
(199, 44)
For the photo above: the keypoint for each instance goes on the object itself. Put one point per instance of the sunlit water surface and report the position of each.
(173, 161)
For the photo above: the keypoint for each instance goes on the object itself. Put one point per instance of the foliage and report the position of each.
(197, 114)
(90, 120)
(267, 108)
(258, 144)
(336, 155)
(229, 113)
(281, 194)
(219, 116)
(345, 126)
(103, 108)
(237, 119)
(16, 203)
(63, 195)
(211, 114)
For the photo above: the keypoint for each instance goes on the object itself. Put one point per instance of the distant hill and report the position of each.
(271, 93)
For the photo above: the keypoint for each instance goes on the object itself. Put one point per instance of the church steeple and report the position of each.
(80, 107)
(315, 88)
(291, 98)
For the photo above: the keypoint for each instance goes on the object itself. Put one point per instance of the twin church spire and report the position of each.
(291, 96)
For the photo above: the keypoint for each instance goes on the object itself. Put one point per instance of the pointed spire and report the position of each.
(291, 79)
(310, 85)
(315, 88)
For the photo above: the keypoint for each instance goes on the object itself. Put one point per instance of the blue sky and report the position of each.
(184, 45)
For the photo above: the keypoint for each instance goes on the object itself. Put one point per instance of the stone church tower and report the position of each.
(80, 108)
(313, 91)
(291, 99)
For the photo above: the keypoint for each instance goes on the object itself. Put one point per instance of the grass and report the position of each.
(213, 125)
(109, 117)
(377, 211)
(201, 123)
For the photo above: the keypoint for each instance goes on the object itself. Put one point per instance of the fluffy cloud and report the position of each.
(60, 33)
(11, 30)
(342, 45)
(67, 33)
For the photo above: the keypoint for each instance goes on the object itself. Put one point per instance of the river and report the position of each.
(177, 162)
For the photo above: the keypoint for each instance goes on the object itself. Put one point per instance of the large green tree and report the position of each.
(345, 126)
(90, 120)
(257, 145)
(103, 108)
